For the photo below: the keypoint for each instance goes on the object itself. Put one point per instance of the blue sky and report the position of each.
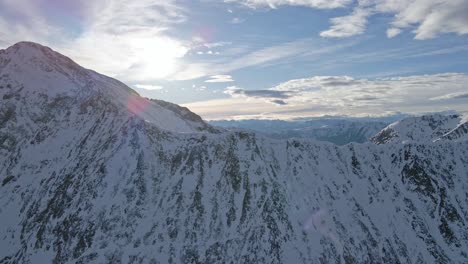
(264, 58)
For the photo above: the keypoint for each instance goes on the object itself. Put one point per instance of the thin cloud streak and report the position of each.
(278, 54)
(320, 4)
(220, 79)
(149, 87)
(460, 95)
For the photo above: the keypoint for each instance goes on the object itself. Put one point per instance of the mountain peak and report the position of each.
(38, 69)
(28, 45)
(25, 50)
(28, 53)
(39, 76)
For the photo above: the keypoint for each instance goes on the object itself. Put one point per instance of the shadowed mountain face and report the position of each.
(93, 173)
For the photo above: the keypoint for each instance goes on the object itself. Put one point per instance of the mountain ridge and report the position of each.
(88, 181)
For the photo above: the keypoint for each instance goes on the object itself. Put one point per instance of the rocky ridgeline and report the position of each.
(86, 179)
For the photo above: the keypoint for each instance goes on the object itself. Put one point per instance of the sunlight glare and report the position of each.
(156, 57)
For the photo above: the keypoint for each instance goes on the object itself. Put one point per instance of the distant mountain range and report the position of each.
(337, 131)
(341, 130)
(91, 172)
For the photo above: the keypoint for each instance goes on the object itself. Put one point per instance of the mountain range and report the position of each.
(340, 131)
(91, 172)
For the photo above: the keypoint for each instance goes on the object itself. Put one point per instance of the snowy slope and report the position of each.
(427, 128)
(460, 132)
(102, 185)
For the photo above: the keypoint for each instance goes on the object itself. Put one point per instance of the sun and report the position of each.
(155, 57)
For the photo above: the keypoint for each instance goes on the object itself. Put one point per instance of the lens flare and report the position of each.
(137, 104)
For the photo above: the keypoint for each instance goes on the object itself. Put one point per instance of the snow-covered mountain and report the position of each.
(92, 173)
(427, 128)
(339, 131)
(35, 79)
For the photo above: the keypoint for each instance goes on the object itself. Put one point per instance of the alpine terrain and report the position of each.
(90, 172)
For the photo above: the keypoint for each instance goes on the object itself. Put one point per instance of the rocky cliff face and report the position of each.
(88, 178)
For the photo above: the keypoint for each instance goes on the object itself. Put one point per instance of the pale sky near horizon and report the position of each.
(263, 58)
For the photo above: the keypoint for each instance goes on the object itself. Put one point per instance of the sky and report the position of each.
(266, 59)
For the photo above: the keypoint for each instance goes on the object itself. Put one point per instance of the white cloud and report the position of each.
(347, 26)
(237, 20)
(198, 88)
(220, 79)
(459, 95)
(268, 54)
(216, 44)
(450, 50)
(341, 95)
(425, 18)
(148, 87)
(392, 32)
(322, 4)
(262, 56)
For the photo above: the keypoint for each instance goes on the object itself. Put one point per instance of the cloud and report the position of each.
(237, 20)
(220, 79)
(365, 97)
(200, 88)
(425, 18)
(341, 95)
(316, 83)
(450, 50)
(460, 95)
(428, 17)
(279, 102)
(322, 4)
(148, 87)
(244, 58)
(269, 54)
(209, 52)
(392, 32)
(269, 95)
(236, 91)
(216, 44)
(347, 26)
